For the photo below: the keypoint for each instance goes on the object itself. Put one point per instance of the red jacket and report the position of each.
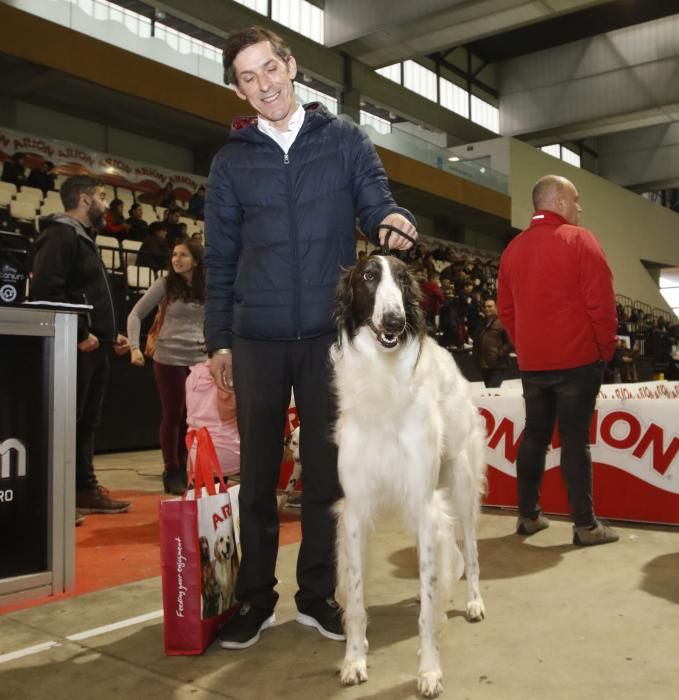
(555, 296)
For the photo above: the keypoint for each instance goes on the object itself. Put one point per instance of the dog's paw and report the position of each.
(430, 684)
(353, 672)
(475, 611)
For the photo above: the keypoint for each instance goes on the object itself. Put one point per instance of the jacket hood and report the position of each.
(245, 128)
(65, 220)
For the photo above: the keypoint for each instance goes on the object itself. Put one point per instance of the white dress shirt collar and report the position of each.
(284, 139)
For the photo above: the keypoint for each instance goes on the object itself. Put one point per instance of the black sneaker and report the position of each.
(98, 500)
(243, 629)
(174, 481)
(325, 615)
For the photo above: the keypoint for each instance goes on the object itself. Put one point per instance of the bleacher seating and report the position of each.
(148, 214)
(29, 194)
(139, 278)
(51, 206)
(109, 250)
(8, 187)
(5, 196)
(23, 210)
(130, 250)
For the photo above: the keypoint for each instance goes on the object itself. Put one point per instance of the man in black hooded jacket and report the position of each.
(67, 268)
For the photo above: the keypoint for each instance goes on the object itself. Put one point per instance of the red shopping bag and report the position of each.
(199, 554)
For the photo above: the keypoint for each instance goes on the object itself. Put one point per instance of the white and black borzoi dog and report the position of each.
(408, 436)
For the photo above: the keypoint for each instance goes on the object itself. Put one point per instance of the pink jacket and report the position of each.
(209, 407)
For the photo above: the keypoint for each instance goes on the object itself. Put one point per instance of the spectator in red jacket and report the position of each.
(432, 298)
(115, 224)
(556, 300)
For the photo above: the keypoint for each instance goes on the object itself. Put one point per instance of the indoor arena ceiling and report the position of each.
(494, 30)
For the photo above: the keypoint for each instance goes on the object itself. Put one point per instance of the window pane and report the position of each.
(392, 72)
(300, 16)
(553, 150)
(260, 6)
(453, 97)
(305, 94)
(419, 79)
(570, 157)
(382, 126)
(485, 114)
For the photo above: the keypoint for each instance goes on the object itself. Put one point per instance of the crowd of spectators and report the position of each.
(456, 283)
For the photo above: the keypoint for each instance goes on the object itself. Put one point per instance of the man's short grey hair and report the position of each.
(546, 188)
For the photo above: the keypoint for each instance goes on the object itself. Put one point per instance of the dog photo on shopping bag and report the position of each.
(218, 557)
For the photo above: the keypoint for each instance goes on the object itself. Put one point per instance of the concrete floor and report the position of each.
(562, 622)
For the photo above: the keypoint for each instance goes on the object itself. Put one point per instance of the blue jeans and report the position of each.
(569, 396)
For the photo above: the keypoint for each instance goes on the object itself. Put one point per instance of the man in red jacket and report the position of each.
(556, 300)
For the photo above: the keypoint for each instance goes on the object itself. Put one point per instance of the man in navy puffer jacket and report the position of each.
(281, 205)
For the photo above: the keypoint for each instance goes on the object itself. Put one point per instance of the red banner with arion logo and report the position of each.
(634, 443)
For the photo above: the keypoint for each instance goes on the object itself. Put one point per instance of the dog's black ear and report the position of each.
(344, 298)
(412, 295)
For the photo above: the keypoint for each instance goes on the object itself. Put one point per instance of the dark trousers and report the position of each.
(568, 396)
(93, 371)
(493, 378)
(171, 383)
(264, 374)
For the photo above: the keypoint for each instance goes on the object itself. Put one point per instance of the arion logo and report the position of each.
(10, 447)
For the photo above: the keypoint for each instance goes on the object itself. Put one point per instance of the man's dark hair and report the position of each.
(237, 41)
(73, 187)
(157, 226)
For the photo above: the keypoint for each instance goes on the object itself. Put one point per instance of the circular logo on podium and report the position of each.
(8, 293)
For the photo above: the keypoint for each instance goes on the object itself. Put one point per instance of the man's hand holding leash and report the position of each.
(399, 222)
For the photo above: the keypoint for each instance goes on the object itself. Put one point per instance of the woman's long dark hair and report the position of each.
(177, 287)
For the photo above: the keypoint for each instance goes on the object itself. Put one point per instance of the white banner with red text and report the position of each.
(72, 159)
(634, 443)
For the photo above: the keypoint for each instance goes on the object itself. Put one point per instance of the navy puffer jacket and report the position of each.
(279, 228)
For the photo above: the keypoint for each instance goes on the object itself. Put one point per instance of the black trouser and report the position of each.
(93, 370)
(264, 373)
(492, 378)
(568, 395)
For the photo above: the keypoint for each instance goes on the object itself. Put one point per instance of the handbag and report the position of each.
(154, 331)
(199, 554)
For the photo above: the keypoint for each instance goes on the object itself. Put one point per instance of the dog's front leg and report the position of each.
(350, 548)
(430, 526)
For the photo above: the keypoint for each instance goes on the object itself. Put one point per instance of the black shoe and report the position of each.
(174, 481)
(325, 615)
(243, 629)
(98, 500)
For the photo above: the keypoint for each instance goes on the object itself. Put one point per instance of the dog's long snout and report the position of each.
(393, 322)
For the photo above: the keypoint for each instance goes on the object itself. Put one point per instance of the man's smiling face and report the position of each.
(265, 81)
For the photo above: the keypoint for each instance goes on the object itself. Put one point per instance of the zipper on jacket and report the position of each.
(296, 311)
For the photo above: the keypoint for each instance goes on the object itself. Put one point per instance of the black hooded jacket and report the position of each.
(67, 268)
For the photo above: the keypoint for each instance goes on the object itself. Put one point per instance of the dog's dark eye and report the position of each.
(368, 276)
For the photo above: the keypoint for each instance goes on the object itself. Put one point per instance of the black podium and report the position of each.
(37, 451)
